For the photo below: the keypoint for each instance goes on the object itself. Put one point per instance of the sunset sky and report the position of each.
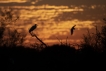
(55, 18)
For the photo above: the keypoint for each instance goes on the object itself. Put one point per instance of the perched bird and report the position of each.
(32, 28)
(72, 29)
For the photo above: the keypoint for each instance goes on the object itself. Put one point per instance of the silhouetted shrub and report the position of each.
(9, 38)
(95, 40)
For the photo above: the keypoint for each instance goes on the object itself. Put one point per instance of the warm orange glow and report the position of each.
(55, 20)
(7, 1)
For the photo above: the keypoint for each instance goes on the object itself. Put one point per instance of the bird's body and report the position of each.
(32, 28)
(72, 29)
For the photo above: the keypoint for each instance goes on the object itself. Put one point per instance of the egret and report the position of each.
(72, 29)
(32, 28)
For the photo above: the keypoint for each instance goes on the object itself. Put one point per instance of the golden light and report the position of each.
(48, 17)
(8, 1)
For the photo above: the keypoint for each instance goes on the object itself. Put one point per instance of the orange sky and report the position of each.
(54, 18)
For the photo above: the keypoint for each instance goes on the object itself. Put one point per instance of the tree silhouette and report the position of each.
(1, 31)
(12, 37)
(96, 40)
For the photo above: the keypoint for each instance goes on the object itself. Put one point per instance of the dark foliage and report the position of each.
(54, 57)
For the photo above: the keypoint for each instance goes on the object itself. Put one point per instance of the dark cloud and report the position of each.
(57, 2)
(71, 2)
(15, 4)
(87, 14)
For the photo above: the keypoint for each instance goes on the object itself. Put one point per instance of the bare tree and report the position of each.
(96, 40)
(11, 37)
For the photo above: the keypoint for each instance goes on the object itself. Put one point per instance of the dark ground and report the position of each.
(53, 58)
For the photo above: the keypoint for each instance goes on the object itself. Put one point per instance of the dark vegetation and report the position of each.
(14, 56)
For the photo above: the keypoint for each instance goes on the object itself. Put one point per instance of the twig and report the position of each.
(32, 34)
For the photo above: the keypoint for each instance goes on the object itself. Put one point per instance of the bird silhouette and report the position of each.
(32, 28)
(72, 29)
